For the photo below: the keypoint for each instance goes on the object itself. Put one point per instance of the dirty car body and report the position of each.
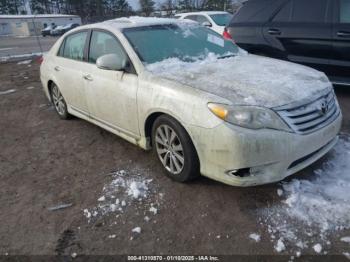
(251, 120)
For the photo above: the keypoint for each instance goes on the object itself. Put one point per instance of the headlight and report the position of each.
(252, 117)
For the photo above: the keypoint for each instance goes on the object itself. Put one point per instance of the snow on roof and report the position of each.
(135, 21)
(35, 16)
(203, 12)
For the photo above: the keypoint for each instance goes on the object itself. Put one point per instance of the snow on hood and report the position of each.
(245, 79)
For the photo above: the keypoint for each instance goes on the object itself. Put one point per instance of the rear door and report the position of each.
(301, 32)
(67, 66)
(341, 42)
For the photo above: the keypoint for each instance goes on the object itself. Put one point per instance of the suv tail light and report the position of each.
(227, 35)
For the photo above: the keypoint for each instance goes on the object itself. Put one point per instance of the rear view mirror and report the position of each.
(207, 24)
(112, 62)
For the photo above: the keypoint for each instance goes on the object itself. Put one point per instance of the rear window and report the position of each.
(221, 19)
(311, 11)
(256, 11)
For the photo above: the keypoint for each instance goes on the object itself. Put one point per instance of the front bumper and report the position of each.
(271, 155)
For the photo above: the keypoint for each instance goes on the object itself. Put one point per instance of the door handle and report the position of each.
(88, 77)
(57, 68)
(343, 34)
(273, 31)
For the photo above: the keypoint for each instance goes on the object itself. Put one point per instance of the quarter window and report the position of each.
(310, 11)
(74, 46)
(102, 44)
(344, 11)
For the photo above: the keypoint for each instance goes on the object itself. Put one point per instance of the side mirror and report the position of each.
(207, 24)
(112, 62)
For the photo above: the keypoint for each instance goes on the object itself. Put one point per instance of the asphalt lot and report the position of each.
(45, 162)
(17, 46)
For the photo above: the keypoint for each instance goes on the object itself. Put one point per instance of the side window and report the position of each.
(201, 19)
(191, 17)
(102, 44)
(310, 11)
(61, 50)
(284, 15)
(74, 46)
(344, 11)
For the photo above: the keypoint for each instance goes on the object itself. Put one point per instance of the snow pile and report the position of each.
(7, 92)
(25, 62)
(244, 78)
(124, 191)
(315, 207)
(255, 237)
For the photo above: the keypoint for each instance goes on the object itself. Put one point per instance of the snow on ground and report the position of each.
(312, 208)
(9, 57)
(7, 92)
(255, 237)
(25, 62)
(127, 189)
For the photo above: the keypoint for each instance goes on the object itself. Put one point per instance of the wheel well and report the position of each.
(49, 85)
(149, 124)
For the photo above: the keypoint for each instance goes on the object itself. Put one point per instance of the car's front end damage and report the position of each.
(245, 157)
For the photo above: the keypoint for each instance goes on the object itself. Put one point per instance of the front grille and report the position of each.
(312, 115)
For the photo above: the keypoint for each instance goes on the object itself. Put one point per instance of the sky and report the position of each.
(135, 3)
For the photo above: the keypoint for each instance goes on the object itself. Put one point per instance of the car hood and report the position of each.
(246, 79)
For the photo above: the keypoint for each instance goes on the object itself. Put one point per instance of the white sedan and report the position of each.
(215, 20)
(203, 105)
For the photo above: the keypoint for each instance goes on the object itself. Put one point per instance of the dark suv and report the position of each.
(311, 32)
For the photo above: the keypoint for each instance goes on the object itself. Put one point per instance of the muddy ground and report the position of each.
(45, 161)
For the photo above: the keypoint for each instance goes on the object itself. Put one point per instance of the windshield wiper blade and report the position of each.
(226, 56)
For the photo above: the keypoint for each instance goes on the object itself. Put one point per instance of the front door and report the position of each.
(111, 94)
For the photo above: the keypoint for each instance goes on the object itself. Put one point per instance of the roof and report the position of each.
(36, 16)
(203, 12)
(137, 21)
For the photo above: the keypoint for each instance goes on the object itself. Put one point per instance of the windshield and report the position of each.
(221, 19)
(185, 42)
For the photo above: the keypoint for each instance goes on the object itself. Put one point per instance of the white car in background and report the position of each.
(215, 20)
(201, 103)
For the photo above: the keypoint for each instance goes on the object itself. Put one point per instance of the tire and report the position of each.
(174, 149)
(58, 102)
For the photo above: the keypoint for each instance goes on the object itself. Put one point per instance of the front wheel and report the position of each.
(174, 149)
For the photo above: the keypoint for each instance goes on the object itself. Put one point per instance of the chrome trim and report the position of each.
(312, 115)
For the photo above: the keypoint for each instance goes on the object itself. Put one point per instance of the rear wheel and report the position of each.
(174, 149)
(59, 102)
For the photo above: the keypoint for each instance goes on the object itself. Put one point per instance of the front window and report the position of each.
(221, 19)
(103, 44)
(183, 41)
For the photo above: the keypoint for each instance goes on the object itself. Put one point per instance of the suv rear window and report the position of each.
(312, 11)
(255, 11)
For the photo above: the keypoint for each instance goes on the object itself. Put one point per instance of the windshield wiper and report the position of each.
(226, 56)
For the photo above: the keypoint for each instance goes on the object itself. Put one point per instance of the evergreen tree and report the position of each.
(147, 6)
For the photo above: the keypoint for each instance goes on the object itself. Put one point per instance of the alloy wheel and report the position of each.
(169, 149)
(58, 101)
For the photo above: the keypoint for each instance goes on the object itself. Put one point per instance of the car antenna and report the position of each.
(36, 35)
